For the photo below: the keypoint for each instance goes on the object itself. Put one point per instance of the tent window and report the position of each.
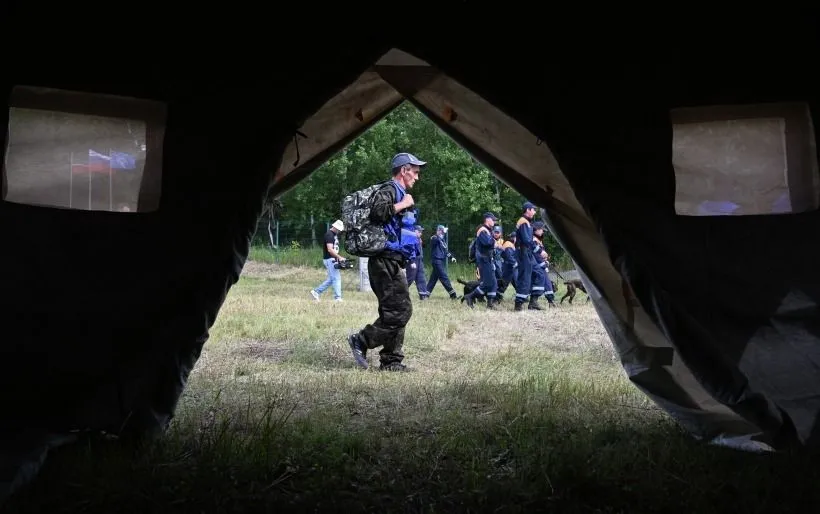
(743, 160)
(83, 151)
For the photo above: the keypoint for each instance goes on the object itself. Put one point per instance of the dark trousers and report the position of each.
(539, 281)
(524, 279)
(489, 285)
(507, 277)
(440, 273)
(504, 284)
(417, 275)
(395, 309)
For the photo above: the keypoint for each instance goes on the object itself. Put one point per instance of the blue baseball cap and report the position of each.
(537, 225)
(490, 215)
(528, 205)
(419, 228)
(400, 159)
(497, 228)
(440, 227)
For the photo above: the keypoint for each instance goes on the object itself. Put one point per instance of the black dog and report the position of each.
(572, 289)
(470, 285)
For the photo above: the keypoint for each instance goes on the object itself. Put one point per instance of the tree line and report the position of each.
(454, 189)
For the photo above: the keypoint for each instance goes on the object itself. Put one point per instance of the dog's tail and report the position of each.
(462, 282)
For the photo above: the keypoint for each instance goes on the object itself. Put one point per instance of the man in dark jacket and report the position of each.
(438, 256)
(484, 256)
(524, 246)
(385, 271)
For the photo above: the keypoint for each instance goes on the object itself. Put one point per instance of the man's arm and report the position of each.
(449, 255)
(330, 242)
(384, 206)
(333, 253)
(526, 237)
(486, 238)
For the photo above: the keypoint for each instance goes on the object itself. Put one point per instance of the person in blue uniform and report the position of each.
(524, 245)
(438, 257)
(484, 256)
(509, 264)
(415, 268)
(539, 274)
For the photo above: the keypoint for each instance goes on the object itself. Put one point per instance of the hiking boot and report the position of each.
(533, 306)
(491, 301)
(359, 350)
(453, 295)
(519, 306)
(395, 366)
(314, 294)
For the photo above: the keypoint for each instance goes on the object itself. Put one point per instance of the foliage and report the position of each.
(454, 189)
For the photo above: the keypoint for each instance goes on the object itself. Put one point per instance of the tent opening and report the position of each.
(525, 162)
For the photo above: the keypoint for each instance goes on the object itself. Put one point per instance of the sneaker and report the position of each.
(395, 366)
(314, 294)
(358, 352)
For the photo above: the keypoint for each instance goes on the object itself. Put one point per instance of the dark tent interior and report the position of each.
(102, 323)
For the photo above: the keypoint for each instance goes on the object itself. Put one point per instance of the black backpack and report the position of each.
(471, 252)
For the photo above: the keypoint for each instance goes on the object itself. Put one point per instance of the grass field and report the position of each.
(503, 412)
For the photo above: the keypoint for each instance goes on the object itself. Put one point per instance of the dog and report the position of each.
(470, 285)
(572, 289)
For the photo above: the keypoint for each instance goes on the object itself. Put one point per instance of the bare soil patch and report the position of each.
(262, 350)
(256, 269)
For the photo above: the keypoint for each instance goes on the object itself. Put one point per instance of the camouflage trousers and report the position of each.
(395, 309)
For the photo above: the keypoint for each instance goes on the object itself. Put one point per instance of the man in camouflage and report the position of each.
(385, 271)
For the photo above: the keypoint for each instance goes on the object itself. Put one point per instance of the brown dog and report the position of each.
(572, 289)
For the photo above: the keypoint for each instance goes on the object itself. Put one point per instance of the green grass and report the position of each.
(503, 412)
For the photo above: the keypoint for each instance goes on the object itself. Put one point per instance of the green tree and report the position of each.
(454, 188)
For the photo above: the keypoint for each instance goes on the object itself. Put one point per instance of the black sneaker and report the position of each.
(359, 353)
(395, 366)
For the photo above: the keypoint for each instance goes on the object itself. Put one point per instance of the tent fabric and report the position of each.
(714, 317)
(519, 158)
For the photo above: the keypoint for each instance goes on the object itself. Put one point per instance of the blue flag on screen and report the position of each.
(123, 161)
(98, 162)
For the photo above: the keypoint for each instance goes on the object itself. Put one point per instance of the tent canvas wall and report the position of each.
(104, 337)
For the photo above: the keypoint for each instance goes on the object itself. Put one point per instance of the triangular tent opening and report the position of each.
(523, 161)
(729, 350)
